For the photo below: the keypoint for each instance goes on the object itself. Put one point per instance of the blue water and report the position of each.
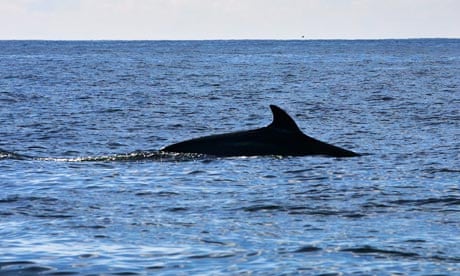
(84, 190)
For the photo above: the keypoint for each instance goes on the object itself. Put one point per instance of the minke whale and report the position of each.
(282, 137)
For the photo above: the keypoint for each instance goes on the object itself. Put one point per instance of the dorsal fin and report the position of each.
(282, 120)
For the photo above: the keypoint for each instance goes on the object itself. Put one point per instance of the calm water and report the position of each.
(83, 189)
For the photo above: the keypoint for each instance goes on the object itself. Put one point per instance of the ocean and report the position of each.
(84, 189)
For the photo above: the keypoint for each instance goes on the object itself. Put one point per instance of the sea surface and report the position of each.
(85, 190)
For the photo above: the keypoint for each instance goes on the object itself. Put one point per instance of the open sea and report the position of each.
(84, 189)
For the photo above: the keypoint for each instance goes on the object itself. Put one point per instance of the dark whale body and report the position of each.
(282, 137)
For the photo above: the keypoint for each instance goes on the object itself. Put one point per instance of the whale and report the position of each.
(280, 138)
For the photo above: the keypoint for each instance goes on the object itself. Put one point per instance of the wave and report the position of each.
(126, 157)
(385, 253)
(11, 155)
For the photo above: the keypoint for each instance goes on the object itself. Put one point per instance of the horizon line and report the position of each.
(235, 39)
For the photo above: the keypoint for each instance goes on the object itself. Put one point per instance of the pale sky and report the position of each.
(228, 19)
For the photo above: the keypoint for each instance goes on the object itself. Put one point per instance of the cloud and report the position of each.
(214, 19)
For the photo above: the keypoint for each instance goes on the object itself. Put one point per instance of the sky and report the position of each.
(228, 19)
